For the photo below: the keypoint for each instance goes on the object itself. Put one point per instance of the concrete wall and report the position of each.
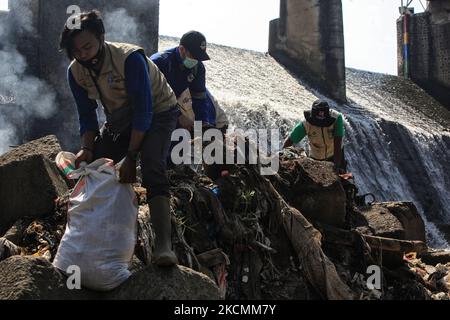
(134, 21)
(308, 38)
(440, 33)
(420, 43)
(3, 17)
(439, 10)
(429, 58)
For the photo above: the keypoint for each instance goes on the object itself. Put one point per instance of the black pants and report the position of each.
(154, 150)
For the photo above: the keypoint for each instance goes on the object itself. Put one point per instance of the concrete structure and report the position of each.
(439, 10)
(35, 27)
(3, 16)
(429, 50)
(308, 38)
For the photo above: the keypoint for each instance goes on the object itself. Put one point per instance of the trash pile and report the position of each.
(36, 237)
(251, 236)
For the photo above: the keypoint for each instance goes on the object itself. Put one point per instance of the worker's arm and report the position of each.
(287, 143)
(339, 132)
(296, 135)
(337, 158)
(197, 89)
(138, 88)
(88, 120)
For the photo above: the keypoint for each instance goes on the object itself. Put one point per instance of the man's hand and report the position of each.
(287, 143)
(83, 156)
(185, 123)
(127, 171)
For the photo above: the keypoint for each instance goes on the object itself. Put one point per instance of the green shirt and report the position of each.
(299, 131)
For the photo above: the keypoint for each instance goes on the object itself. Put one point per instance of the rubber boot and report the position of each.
(163, 255)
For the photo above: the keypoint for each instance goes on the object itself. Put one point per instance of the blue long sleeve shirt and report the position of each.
(137, 83)
(181, 78)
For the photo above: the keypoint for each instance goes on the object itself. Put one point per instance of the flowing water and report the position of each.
(397, 137)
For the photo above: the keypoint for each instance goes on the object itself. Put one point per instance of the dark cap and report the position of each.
(320, 105)
(195, 43)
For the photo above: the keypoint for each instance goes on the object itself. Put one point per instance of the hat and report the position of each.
(320, 105)
(320, 109)
(195, 43)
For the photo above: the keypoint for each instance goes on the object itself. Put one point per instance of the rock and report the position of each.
(29, 181)
(15, 233)
(409, 217)
(435, 257)
(398, 220)
(178, 283)
(382, 223)
(30, 278)
(313, 188)
(47, 146)
(8, 249)
(35, 278)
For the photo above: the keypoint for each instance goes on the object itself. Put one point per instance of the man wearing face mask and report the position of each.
(141, 113)
(325, 130)
(185, 72)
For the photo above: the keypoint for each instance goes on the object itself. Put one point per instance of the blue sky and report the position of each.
(369, 26)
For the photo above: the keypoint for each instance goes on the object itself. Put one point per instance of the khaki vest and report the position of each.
(321, 140)
(111, 83)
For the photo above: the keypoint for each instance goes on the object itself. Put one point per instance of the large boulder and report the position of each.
(29, 181)
(313, 188)
(35, 278)
(398, 220)
(31, 278)
(179, 283)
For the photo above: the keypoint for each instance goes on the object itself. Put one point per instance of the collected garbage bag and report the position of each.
(100, 234)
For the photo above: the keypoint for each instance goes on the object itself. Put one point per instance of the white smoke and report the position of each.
(7, 132)
(22, 97)
(120, 26)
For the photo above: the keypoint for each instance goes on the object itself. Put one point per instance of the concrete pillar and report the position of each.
(429, 54)
(439, 10)
(308, 38)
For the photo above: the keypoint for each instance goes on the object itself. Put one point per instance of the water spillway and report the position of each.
(397, 136)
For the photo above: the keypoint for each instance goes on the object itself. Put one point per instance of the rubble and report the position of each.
(247, 239)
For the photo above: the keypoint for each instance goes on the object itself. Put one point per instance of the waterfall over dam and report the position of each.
(397, 136)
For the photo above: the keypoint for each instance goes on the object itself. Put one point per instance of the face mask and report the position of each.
(190, 63)
(94, 61)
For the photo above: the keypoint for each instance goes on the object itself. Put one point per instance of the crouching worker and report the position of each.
(325, 130)
(185, 72)
(141, 113)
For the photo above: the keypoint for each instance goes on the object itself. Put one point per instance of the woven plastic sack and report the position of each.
(100, 235)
